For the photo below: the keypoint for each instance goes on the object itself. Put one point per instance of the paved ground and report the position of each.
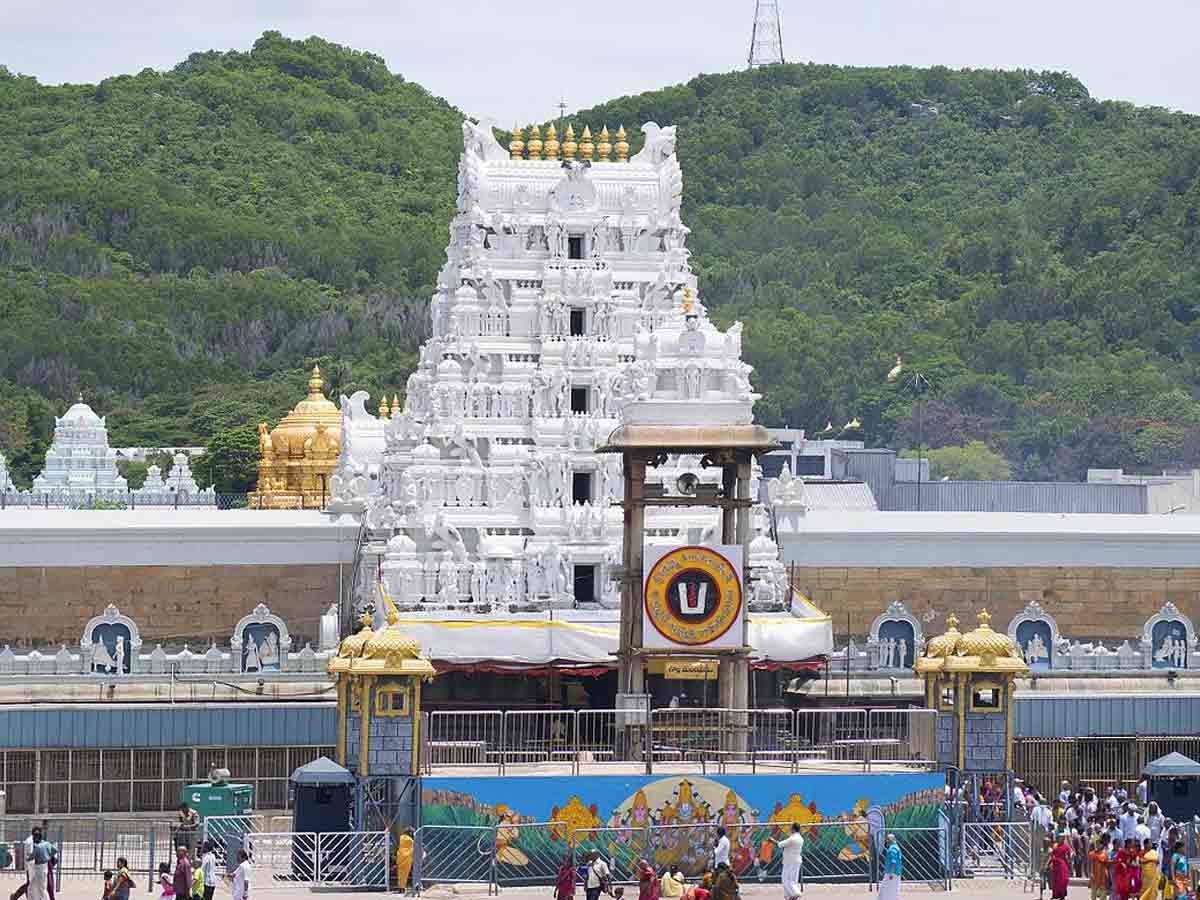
(82, 889)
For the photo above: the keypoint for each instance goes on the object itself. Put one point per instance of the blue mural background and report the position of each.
(670, 819)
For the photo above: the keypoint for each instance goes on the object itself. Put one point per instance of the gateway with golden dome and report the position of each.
(969, 681)
(297, 458)
(378, 676)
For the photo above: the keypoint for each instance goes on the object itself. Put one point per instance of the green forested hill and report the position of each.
(181, 245)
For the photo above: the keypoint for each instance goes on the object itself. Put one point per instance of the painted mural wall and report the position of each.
(669, 819)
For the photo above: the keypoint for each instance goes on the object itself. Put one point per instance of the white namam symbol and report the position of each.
(692, 598)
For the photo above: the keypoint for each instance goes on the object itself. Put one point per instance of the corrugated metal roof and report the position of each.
(155, 725)
(1016, 496)
(1088, 716)
(838, 495)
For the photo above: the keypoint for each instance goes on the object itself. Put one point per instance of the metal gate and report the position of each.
(996, 850)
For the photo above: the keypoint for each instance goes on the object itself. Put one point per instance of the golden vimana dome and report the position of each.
(298, 456)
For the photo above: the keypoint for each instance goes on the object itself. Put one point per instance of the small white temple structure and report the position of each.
(179, 483)
(566, 294)
(79, 460)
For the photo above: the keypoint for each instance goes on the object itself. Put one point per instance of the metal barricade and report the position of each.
(91, 844)
(833, 851)
(461, 739)
(620, 847)
(906, 736)
(228, 834)
(454, 854)
(772, 734)
(600, 738)
(927, 855)
(534, 737)
(689, 735)
(996, 850)
(282, 858)
(528, 853)
(832, 737)
(354, 859)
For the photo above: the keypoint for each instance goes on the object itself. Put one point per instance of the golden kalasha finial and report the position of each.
(688, 301)
(605, 147)
(383, 408)
(517, 145)
(551, 145)
(586, 148)
(395, 403)
(622, 145)
(315, 383)
(569, 147)
(983, 617)
(535, 143)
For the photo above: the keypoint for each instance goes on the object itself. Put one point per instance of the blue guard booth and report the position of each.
(322, 795)
(1175, 785)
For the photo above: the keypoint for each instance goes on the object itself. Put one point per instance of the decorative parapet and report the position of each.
(111, 644)
(1035, 633)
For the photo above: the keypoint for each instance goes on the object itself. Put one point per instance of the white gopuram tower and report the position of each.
(566, 294)
(79, 461)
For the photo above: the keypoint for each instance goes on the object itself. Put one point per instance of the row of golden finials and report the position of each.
(585, 149)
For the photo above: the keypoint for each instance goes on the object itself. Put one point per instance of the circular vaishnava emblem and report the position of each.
(693, 596)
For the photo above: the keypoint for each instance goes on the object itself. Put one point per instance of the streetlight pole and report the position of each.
(918, 384)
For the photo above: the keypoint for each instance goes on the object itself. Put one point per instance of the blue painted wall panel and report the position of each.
(169, 726)
(1100, 716)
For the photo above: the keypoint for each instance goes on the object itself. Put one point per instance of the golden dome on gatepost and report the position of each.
(980, 650)
(986, 643)
(945, 644)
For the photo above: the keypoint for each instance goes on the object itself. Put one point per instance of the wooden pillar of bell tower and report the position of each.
(731, 449)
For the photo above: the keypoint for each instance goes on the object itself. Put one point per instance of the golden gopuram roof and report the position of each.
(388, 651)
(298, 456)
(980, 650)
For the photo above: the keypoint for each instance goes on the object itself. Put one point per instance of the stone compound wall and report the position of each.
(1102, 603)
(171, 604)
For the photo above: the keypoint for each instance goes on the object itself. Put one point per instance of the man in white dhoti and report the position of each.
(793, 861)
(38, 868)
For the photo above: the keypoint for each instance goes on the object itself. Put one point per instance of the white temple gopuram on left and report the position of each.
(79, 459)
(565, 296)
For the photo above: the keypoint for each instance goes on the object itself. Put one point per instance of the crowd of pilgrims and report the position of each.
(1124, 846)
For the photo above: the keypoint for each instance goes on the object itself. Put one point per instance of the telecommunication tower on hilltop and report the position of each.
(766, 39)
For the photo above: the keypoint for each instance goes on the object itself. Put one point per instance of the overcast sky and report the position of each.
(515, 60)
